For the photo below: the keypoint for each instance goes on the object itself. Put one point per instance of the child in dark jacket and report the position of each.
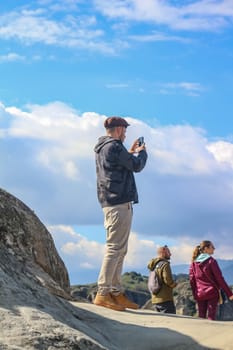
(206, 280)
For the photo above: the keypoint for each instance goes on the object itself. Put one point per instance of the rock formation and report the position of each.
(27, 242)
(34, 287)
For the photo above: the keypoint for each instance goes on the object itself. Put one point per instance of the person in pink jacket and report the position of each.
(206, 280)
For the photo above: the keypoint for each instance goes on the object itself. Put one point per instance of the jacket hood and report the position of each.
(154, 261)
(102, 141)
(202, 257)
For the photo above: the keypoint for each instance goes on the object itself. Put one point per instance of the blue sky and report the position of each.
(166, 66)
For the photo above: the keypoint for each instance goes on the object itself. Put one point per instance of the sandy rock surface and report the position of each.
(147, 330)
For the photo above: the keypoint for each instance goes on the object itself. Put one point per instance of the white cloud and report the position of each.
(139, 252)
(62, 134)
(11, 57)
(82, 255)
(189, 88)
(185, 190)
(180, 150)
(222, 151)
(71, 24)
(157, 36)
(61, 5)
(199, 15)
(37, 26)
(76, 248)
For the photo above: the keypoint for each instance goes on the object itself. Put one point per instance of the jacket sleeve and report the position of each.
(219, 279)
(167, 276)
(132, 162)
(192, 280)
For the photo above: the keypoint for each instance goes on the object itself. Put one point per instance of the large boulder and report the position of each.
(24, 237)
(35, 301)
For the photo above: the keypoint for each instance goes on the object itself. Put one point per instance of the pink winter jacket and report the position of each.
(206, 280)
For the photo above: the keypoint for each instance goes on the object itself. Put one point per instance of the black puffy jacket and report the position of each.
(114, 168)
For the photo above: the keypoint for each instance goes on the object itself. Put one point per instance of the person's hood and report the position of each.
(202, 257)
(154, 262)
(102, 141)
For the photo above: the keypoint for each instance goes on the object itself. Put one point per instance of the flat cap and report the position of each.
(112, 122)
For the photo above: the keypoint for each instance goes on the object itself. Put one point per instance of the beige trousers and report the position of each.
(117, 222)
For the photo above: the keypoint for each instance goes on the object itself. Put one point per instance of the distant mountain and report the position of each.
(182, 268)
(225, 265)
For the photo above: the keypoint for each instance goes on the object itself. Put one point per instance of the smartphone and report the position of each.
(140, 141)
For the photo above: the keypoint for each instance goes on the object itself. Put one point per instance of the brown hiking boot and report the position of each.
(121, 299)
(107, 301)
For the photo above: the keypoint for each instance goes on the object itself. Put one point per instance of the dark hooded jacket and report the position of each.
(206, 278)
(114, 168)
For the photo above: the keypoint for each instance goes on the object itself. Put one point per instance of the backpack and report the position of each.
(154, 281)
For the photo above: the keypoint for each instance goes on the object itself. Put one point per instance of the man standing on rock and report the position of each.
(163, 300)
(116, 190)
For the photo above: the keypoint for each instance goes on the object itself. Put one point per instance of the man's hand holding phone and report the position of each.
(138, 145)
